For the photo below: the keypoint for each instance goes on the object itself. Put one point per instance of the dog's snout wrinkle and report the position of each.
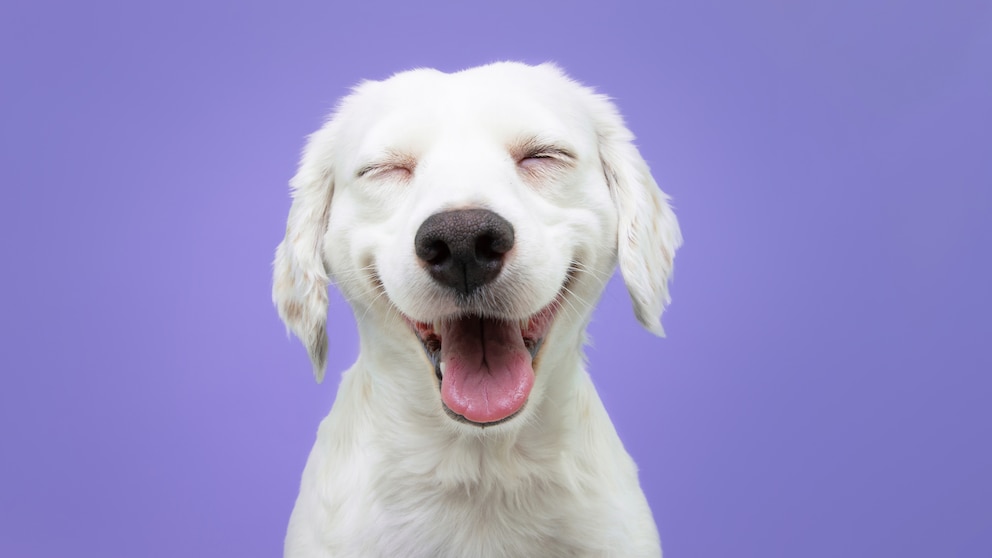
(464, 248)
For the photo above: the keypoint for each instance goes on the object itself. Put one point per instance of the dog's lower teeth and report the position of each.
(440, 367)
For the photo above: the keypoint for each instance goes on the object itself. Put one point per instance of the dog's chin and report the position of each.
(485, 366)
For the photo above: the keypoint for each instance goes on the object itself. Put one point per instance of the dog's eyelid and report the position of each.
(550, 153)
(544, 159)
(401, 164)
(539, 149)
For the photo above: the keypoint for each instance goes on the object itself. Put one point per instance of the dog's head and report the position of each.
(482, 211)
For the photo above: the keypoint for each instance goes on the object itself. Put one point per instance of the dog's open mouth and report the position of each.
(485, 366)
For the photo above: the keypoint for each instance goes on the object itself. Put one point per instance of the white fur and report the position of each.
(391, 474)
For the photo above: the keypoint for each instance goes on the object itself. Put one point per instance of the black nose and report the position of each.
(464, 248)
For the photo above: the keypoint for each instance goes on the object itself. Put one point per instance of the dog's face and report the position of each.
(482, 210)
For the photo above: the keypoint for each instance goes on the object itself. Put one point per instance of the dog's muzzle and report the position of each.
(484, 364)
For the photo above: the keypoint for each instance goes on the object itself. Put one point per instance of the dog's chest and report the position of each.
(533, 521)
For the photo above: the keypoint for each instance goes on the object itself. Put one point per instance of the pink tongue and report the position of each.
(487, 370)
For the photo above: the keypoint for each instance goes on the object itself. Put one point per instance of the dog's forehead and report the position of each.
(499, 103)
(496, 86)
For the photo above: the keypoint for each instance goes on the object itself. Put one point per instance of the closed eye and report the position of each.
(537, 156)
(547, 152)
(393, 166)
(385, 170)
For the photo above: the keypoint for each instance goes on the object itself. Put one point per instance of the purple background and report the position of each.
(825, 387)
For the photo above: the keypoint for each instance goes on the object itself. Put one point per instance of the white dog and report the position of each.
(472, 221)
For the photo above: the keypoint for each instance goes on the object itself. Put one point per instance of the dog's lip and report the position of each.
(539, 322)
(533, 331)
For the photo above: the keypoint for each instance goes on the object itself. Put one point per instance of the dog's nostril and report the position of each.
(464, 249)
(436, 253)
(485, 248)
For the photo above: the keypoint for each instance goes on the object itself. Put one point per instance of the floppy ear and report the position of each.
(648, 233)
(299, 286)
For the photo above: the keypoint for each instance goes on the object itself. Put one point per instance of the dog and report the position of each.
(471, 220)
